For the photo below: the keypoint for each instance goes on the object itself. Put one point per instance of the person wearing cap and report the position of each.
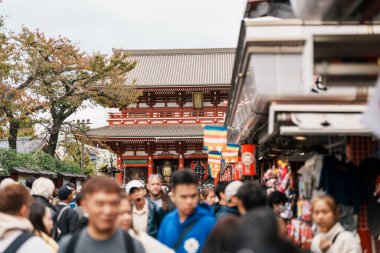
(146, 214)
(67, 220)
(232, 201)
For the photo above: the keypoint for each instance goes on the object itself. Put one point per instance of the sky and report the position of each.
(100, 26)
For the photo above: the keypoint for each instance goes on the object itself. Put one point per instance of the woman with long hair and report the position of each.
(40, 217)
(125, 222)
(332, 237)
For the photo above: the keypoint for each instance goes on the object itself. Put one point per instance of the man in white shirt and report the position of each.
(146, 214)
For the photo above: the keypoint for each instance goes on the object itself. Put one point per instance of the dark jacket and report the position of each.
(155, 215)
(223, 211)
(67, 223)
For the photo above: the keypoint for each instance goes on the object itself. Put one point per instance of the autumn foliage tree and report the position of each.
(61, 78)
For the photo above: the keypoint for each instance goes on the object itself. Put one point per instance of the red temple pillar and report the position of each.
(150, 165)
(119, 164)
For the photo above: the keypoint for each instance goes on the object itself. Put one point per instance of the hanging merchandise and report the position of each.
(248, 159)
(214, 161)
(215, 138)
(300, 233)
(199, 166)
(231, 154)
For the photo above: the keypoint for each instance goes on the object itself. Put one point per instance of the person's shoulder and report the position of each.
(64, 242)
(35, 244)
(207, 220)
(138, 245)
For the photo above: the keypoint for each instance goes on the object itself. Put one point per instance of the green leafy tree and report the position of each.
(51, 75)
(71, 77)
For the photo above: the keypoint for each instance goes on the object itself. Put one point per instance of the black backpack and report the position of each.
(75, 237)
(18, 242)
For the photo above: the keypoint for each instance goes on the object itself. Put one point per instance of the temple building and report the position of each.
(183, 90)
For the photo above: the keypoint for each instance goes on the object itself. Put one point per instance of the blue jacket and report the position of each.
(171, 229)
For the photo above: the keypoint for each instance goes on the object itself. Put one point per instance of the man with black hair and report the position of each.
(277, 201)
(187, 227)
(29, 182)
(219, 192)
(67, 219)
(251, 195)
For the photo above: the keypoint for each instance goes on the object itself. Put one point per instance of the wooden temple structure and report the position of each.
(183, 90)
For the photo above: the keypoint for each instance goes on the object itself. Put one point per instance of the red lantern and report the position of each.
(248, 159)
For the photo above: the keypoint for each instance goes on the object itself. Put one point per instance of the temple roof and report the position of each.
(148, 131)
(182, 67)
(25, 144)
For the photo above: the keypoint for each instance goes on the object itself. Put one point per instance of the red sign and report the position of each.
(238, 168)
(248, 159)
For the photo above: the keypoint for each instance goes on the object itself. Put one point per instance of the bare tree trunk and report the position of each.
(14, 126)
(53, 138)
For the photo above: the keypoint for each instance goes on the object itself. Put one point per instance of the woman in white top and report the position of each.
(332, 237)
(150, 244)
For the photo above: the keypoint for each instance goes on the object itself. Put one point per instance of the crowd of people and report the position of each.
(234, 217)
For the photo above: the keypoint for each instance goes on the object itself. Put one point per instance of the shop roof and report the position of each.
(69, 174)
(181, 67)
(32, 171)
(148, 131)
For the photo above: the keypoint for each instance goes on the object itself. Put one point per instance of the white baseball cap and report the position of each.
(134, 184)
(232, 189)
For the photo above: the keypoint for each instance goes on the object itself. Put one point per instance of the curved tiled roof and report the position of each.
(148, 131)
(182, 67)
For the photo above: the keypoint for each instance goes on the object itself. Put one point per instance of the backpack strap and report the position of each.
(73, 242)
(129, 243)
(336, 236)
(16, 244)
(184, 233)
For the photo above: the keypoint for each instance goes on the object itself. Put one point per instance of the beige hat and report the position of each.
(232, 189)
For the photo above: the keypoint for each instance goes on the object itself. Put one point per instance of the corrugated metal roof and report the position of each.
(182, 67)
(151, 131)
(25, 145)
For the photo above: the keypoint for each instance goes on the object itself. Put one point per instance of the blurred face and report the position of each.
(323, 216)
(185, 198)
(137, 196)
(47, 220)
(154, 186)
(102, 209)
(124, 219)
(279, 208)
(210, 199)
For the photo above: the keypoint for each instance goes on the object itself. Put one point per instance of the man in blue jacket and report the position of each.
(186, 228)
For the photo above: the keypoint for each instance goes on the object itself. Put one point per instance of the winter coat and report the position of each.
(12, 226)
(345, 242)
(195, 238)
(68, 222)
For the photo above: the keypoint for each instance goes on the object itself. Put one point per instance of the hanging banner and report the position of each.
(237, 169)
(231, 154)
(215, 138)
(214, 161)
(248, 159)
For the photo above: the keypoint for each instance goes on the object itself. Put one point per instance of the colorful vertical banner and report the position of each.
(231, 154)
(237, 170)
(215, 138)
(214, 161)
(248, 159)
